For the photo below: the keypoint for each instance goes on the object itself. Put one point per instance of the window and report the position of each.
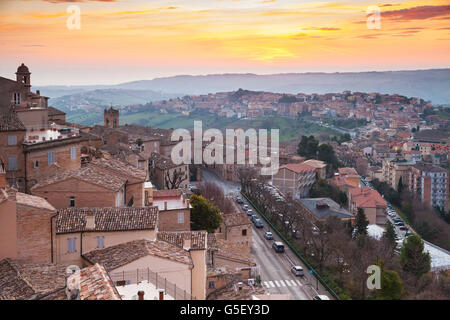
(211, 285)
(16, 97)
(35, 164)
(51, 157)
(12, 140)
(72, 202)
(71, 245)
(12, 163)
(73, 153)
(180, 217)
(244, 232)
(100, 242)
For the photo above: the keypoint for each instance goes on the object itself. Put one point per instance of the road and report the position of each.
(274, 267)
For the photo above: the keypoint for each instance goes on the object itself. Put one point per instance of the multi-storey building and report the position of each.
(431, 184)
(395, 169)
(295, 179)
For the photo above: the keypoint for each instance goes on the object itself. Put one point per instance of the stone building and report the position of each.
(111, 118)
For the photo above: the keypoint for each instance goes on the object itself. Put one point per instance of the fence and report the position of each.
(314, 273)
(139, 275)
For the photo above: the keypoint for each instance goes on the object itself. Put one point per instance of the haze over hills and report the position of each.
(432, 85)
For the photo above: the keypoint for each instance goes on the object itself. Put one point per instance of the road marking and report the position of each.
(277, 283)
(288, 283)
(271, 283)
(299, 283)
(293, 282)
(282, 283)
(266, 284)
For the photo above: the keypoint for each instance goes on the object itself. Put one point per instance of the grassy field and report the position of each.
(290, 128)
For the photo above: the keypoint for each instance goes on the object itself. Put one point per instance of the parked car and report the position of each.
(407, 234)
(239, 200)
(399, 224)
(254, 217)
(268, 235)
(249, 212)
(278, 246)
(245, 207)
(321, 297)
(297, 271)
(403, 228)
(259, 223)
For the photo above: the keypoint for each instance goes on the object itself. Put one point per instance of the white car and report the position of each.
(321, 297)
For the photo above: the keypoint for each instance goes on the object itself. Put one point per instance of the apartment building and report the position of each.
(373, 204)
(431, 184)
(295, 179)
(394, 169)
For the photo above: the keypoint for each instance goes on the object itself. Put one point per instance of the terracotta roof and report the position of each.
(120, 255)
(24, 199)
(298, 167)
(198, 238)
(348, 171)
(126, 170)
(9, 121)
(106, 219)
(366, 197)
(161, 162)
(90, 174)
(315, 163)
(23, 281)
(53, 111)
(96, 284)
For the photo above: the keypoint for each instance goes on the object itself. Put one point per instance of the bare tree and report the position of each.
(175, 180)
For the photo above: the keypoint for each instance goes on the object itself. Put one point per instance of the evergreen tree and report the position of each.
(361, 223)
(412, 257)
(204, 215)
(391, 284)
(400, 186)
(389, 235)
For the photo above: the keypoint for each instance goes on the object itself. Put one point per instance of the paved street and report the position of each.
(274, 267)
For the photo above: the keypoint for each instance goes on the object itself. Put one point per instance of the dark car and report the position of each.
(258, 223)
(278, 246)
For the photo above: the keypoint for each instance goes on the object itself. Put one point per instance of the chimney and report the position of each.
(165, 205)
(90, 221)
(161, 294)
(141, 295)
(38, 92)
(187, 244)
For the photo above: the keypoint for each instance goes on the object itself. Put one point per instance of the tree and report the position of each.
(361, 223)
(400, 186)
(139, 142)
(174, 181)
(308, 147)
(204, 215)
(412, 257)
(389, 235)
(391, 284)
(326, 154)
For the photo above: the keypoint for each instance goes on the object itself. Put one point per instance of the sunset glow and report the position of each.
(135, 39)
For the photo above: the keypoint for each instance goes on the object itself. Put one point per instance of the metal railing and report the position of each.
(139, 275)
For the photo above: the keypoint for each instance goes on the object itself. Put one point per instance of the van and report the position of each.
(278, 246)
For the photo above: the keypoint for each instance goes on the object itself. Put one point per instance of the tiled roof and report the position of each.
(198, 238)
(429, 168)
(315, 163)
(116, 256)
(9, 121)
(161, 162)
(298, 167)
(90, 174)
(22, 280)
(366, 197)
(347, 171)
(106, 219)
(24, 199)
(53, 111)
(126, 170)
(95, 284)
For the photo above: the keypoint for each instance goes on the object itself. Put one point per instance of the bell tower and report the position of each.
(23, 76)
(111, 118)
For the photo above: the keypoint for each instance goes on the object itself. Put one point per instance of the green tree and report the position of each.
(361, 223)
(389, 235)
(308, 147)
(400, 186)
(326, 154)
(204, 215)
(412, 257)
(391, 284)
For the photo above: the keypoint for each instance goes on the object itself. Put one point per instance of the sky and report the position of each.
(127, 40)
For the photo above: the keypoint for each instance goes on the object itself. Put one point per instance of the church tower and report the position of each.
(23, 76)
(111, 118)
